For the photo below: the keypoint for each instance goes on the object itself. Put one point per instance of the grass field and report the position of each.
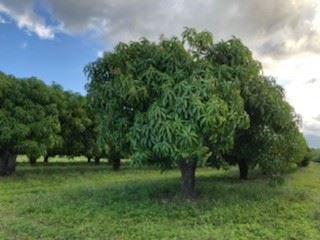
(81, 201)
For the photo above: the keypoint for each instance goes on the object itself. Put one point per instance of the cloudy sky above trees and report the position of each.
(54, 39)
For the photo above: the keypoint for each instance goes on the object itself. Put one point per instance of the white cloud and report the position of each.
(275, 28)
(25, 18)
(29, 23)
(300, 74)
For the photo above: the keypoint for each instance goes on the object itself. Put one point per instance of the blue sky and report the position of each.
(54, 39)
(59, 60)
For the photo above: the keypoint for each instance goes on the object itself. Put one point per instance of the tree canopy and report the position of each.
(29, 121)
(39, 120)
(166, 100)
(78, 133)
(272, 120)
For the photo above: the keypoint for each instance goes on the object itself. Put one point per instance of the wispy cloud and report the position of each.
(100, 53)
(2, 20)
(24, 45)
(22, 13)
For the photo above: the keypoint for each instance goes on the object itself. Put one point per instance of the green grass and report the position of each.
(80, 201)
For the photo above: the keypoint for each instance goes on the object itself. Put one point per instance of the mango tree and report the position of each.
(166, 102)
(271, 117)
(28, 120)
(78, 126)
(89, 138)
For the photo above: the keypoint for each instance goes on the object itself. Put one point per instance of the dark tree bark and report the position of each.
(188, 169)
(89, 159)
(7, 163)
(46, 159)
(243, 169)
(115, 158)
(116, 163)
(12, 163)
(4, 155)
(97, 160)
(32, 161)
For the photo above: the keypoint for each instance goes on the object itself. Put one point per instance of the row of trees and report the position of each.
(39, 120)
(189, 102)
(179, 102)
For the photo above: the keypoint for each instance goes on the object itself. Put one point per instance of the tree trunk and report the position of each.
(116, 163)
(32, 161)
(89, 159)
(4, 158)
(12, 163)
(114, 158)
(188, 169)
(46, 159)
(97, 160)
(7, 163)
(243, 169)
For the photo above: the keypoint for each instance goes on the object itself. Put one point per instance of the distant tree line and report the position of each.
(179, 102)
(39, 120)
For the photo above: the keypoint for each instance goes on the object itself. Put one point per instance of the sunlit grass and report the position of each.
(81, 201)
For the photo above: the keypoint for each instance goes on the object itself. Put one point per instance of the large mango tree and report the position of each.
(163, 104)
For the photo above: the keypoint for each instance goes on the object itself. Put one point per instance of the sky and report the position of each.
(54, 39)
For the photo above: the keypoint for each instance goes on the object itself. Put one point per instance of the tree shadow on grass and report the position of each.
(212, 189)
(220, 186)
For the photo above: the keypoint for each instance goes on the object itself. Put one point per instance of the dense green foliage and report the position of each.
(29, 122)
(78, 126)
(28, 117)
(80, 201)
(40, 120)
(273, 141)
(165, 100)
(190, 101)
